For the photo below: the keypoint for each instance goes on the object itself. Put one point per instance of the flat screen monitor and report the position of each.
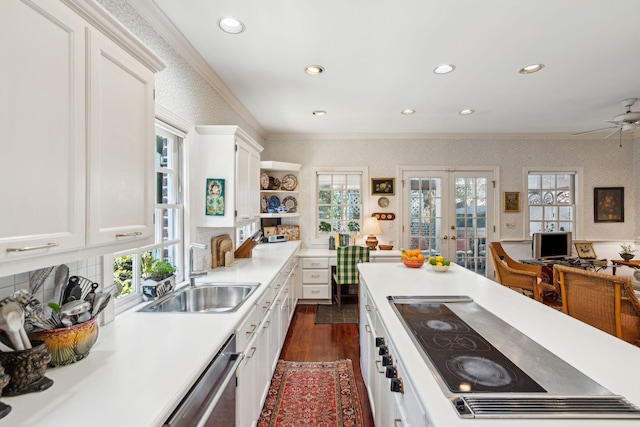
(552, 245)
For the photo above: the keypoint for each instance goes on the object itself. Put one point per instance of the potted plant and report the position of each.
(627, 252)
(158, 275)
(353, 227)
(324, 226)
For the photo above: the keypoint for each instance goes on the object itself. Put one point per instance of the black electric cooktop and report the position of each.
(466, 362)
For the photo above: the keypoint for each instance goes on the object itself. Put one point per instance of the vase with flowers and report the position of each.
(627, 252)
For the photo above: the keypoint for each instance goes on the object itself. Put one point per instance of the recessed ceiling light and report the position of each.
(444, 69)
(407, 112)
(533, 68)
(466, 112)
(231, 25)
(314, 69)
(319, 113)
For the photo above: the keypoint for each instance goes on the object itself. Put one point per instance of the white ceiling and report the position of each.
(379, 56)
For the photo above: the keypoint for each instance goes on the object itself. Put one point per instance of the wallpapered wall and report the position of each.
(605, 164)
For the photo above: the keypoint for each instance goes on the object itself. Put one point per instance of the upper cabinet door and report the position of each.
(243, 182)
(42, 95)
(121, 135)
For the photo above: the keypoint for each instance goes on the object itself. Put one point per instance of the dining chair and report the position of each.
(346, 273)
(524, 278)
(601, 300)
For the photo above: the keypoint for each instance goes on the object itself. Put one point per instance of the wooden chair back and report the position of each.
(601, 300)
(525, 278)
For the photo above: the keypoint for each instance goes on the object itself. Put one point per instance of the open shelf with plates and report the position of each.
(279, 189)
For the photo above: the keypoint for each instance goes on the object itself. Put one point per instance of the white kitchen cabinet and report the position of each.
(78, 117)
(42, 166)
(121, 156)
(270, 198)
(316, 279)
(389, 408)
(228, 153)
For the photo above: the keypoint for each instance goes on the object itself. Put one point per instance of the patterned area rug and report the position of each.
(326, 313)
(312, 394)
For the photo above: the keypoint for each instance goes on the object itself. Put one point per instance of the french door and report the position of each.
(449, 214)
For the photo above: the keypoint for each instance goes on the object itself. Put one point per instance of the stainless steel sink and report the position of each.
(203, 298)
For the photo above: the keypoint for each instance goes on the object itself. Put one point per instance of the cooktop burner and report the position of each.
(464, 359)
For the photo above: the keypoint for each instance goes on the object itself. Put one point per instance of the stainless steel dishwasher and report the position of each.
(212, 400)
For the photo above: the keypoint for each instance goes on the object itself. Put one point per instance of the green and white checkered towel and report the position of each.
(347, 263)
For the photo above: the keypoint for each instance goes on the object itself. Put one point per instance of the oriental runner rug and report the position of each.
(312, 394)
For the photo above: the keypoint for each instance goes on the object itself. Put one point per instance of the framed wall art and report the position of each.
(512, 201)
(585, 250)
(608, 204)
(383, 186)
(214, 202)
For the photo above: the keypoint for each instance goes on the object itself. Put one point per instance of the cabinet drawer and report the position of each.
(247, 329)
(315, 291)
(315, 276)
(315, 262)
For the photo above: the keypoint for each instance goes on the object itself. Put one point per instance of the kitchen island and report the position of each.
(143, 363)
(602, 357)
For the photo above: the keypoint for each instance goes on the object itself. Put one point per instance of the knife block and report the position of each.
(245, 249)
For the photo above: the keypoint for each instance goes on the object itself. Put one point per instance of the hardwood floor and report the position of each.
(308, 342)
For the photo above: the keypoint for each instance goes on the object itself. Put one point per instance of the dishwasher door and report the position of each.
(212, 400)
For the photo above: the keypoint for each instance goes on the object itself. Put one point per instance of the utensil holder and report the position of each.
(4, 380)
(26, 369)
(68, 345)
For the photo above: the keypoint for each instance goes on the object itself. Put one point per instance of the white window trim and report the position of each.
(578, 172)
(366, 193)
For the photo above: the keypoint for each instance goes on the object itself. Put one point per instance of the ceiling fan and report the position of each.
(622, 122)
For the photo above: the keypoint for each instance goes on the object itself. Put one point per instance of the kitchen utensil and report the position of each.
(4, 347)
(100, 302)
(74, 311)
(12, 322)
(73, 282)
(101, 305)
(38, 278)
(60, 280)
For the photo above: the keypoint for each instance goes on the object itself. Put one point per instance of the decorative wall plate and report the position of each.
(383, 202)
(289, 182)
(274, 202)
(264, 181)
(265, 204)
(384, 216)
(290, 203)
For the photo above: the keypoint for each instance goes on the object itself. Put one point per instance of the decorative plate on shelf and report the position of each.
(383, 202)
(265, 204)
(290, 203)
(264, 181)
(274, 202)
(289, 182)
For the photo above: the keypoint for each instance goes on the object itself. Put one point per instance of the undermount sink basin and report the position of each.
(203, 298)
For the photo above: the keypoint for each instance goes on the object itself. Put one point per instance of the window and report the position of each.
(551, 201)
(339, 201)
(133, 267)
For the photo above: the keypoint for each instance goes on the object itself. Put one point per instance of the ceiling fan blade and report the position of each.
(614, 133)
(594, 130)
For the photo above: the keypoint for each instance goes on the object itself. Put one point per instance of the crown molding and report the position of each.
(163, 26)
(100, 18)
(442, 136)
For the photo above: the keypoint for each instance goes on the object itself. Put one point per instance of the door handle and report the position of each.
(453, 237)
(445, 237)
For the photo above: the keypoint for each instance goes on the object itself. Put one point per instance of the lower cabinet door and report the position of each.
(247, 399)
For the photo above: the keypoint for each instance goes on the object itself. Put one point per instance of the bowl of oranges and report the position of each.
(439, 263)
(412, 258)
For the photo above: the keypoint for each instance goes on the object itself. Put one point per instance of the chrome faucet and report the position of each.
(193, 274)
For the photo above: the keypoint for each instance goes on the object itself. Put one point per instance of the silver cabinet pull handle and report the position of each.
(32, 248)
(137, 233)
(397, 423)
(253, 352)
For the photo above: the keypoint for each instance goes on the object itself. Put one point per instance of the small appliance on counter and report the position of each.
(275, 238)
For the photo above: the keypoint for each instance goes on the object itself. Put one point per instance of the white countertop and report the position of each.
(609, 361)
(322, 253)
(143, 363)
